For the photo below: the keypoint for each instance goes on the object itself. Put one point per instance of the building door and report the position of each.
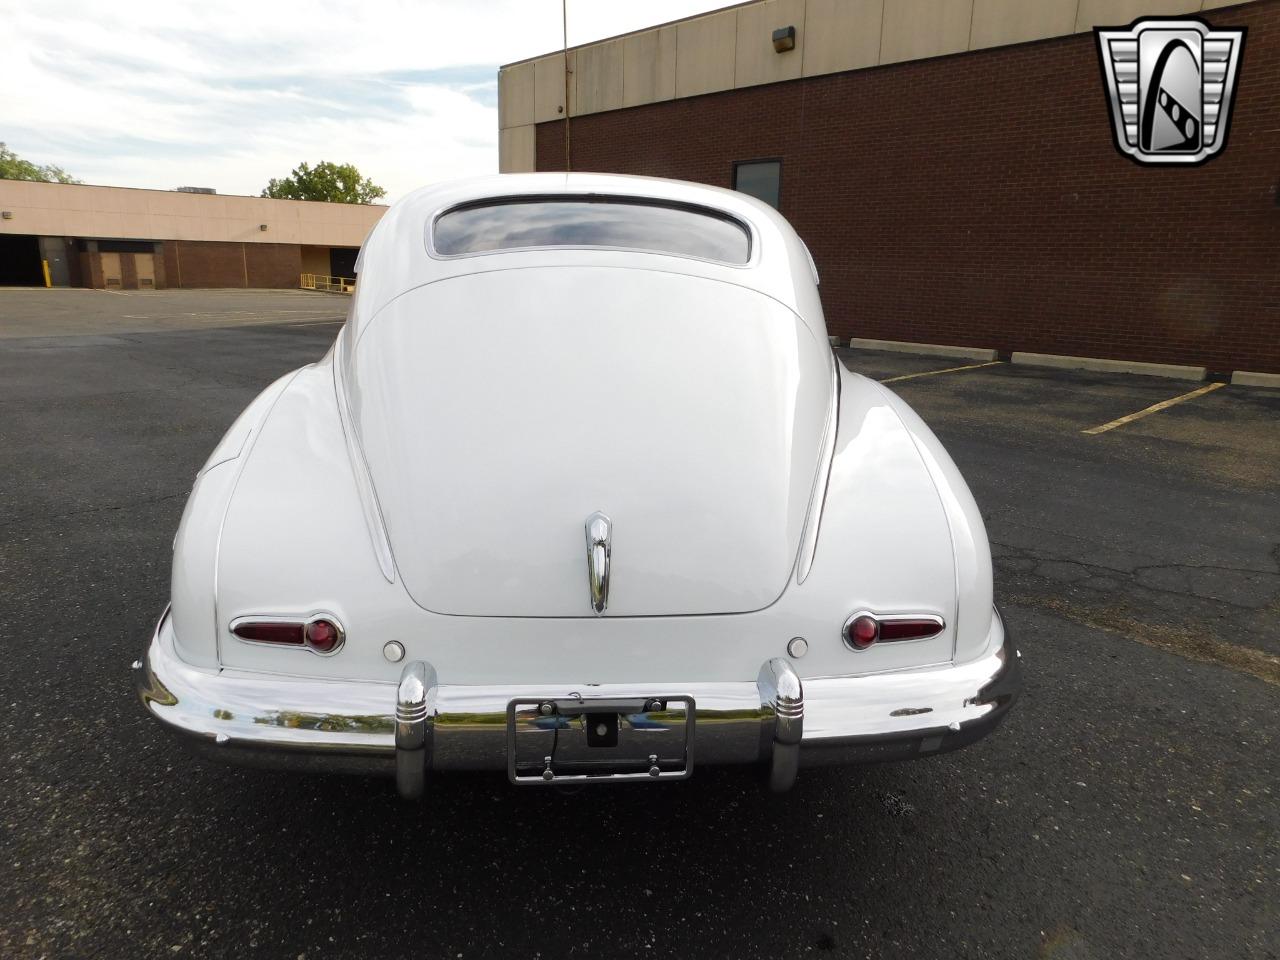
(54, 252)
(145, 265)
(111, 271)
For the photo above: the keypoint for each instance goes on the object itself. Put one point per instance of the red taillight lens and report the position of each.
(270, 631)
(323, 635)
(910, 628)
(862, 632)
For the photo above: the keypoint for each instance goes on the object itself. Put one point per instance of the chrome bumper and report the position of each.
(421, 725)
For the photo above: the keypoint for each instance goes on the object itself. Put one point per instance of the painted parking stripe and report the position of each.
(1154, 408)
(934, 373)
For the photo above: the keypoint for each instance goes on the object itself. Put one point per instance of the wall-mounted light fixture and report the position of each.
(262, 227)
(784, 39)
(6, 214)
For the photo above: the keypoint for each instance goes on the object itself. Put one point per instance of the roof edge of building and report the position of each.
(185, 193)
(731, 57)
(631, 33)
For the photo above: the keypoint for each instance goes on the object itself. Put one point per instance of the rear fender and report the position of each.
(974, 584)
(295, 542)
(195, 546)
(883, 543)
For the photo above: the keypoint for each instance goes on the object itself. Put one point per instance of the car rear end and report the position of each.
(579, 515)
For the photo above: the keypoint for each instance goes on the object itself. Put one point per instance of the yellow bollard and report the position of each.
(47, 281)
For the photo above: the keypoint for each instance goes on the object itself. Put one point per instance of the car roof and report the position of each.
(396, 257)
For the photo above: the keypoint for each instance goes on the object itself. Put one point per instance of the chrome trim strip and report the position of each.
(282, 721)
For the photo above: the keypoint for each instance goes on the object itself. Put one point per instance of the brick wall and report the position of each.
(199, 263)
(208, 263)
(978, 199)
(274, 264)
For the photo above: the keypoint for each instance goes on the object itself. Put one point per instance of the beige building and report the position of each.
(118, 237)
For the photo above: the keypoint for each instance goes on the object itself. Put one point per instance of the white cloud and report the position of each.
(162, 93)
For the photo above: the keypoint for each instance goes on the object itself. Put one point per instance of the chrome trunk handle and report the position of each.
(599, 530)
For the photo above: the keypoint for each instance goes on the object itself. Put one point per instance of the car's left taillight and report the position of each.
(321, 634)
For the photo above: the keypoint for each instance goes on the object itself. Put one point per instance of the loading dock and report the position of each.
(20, 261)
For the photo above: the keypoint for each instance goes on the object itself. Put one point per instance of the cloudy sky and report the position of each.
(229, 94)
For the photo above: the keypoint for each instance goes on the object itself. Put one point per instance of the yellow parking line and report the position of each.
(1154, 408)
(930, 373)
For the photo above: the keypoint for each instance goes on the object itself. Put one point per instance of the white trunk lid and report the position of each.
(497, 411)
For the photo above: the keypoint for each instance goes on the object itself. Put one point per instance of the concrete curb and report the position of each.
(1168, 370)
(926, 349)
(1247, 378)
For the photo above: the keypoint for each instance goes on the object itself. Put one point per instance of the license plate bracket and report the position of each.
(578, 739)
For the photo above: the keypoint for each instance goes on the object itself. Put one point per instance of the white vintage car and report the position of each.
(579, 493)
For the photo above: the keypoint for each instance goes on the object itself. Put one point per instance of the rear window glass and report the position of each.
(514, 224)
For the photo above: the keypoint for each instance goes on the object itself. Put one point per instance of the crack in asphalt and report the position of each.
(1134, 574)
(1091, 542)
(1187, 643)
(1193, 643)
(87, 511)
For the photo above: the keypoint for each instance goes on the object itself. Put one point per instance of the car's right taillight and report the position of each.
(863, 629)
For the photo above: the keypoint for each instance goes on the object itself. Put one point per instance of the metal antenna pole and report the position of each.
(564, 19)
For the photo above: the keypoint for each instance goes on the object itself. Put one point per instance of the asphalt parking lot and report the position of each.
(1127, 808)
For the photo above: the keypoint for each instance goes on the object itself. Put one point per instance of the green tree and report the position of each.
(331, 182)
(13, 167)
